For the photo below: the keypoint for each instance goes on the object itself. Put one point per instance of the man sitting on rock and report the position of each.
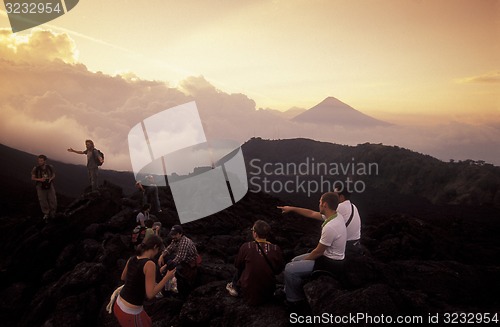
(328, 253)
(349, 213)
(181, 254)
(257, 262)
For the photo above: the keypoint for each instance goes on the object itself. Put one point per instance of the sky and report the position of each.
(430, 67)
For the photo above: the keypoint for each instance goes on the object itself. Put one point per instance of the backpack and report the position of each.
(96, 157)
(138, 235)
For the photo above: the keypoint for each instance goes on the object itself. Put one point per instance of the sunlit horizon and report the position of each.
(383, 58)
(430, 68)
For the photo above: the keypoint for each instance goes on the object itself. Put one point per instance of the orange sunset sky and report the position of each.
(409, 62)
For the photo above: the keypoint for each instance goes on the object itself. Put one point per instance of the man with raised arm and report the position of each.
(93, 162)
(329, 251)
(349, 213)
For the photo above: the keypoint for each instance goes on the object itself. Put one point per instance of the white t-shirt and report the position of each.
(354, 228)
(142, 217)
(333, 235)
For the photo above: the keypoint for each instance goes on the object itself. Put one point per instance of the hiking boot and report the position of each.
(232, 291)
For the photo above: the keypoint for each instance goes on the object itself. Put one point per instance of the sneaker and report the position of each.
(171, 286)
(232, 291)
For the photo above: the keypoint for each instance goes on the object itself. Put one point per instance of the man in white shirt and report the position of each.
(349, 213)
(352, 220)
(330, 248)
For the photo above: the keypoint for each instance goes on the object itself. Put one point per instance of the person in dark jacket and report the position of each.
(257, 262)
(43, 174)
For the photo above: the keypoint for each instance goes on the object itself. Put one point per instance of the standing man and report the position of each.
(257, 262)
(149, 190)
(329, 251)
(43, 174)
(94, 160)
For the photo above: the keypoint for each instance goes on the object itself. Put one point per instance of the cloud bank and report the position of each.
(490, 78)
(50, 102)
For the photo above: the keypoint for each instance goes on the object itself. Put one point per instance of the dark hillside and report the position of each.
(423, 255)
(383, 173)
(63, 272)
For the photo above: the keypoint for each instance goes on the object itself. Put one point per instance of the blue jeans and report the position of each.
(295, 273)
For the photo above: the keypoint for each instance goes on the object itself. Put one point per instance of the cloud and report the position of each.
(491, 77)
(49, 102)
(37, 47)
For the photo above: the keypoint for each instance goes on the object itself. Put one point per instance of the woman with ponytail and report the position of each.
(139, 276)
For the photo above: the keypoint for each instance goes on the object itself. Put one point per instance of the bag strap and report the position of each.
(351, 216)
(38, 171)
(265, 257)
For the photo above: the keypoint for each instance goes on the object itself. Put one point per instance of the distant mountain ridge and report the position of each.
(332, 111)
(403, 178)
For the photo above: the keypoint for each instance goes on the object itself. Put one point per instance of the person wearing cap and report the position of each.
(349, 213)
(182, 255)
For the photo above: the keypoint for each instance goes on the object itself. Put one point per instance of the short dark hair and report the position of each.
(331, 199)
(261, 228)
(42, 156)
(146, 207)
(344, 192)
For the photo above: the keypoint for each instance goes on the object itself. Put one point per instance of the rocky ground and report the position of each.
(63, 272)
